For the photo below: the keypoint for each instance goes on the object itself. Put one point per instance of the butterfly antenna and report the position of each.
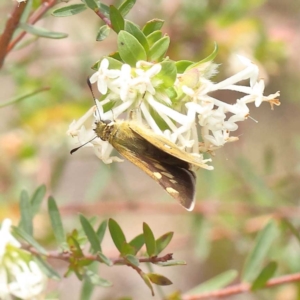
(77, 148)
(91, 89)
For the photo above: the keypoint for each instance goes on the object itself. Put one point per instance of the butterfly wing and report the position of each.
(166, 145)
(170, 172)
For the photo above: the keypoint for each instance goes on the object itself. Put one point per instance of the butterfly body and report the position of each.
(158, 157)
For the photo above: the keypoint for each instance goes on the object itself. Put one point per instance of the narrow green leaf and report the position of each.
(171, 263)
(116, 19)
(23, 97)
(132, 259)
(137, 33)
(259, 251)
(41, 32)
(92, 4)
(153, 25)
(147, 281)
(103, 33)
(95, 279)
(117, 234)
(149, 240)
(292, 229)
(159, 49)
(87, 289)
(116, 56)
(101, 231)
(154, 37)
(126, 6)
(70, 10)
(46, 268)
(105, 259)
(163, 241)
(26, 213)
(91, 234)
(130, 49)
(215, 283)
(103, 8)
(159, 279)
(37, 199)
(210, 57)
(267, 272)
(182, 65)
(29, 239)
(127, 249)
(56, 222)
(137, 242)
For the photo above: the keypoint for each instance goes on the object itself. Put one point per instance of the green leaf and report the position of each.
(132, 259)
(292, 229)
(154, 37)
(182, 65)
(101, 231)
(56, 222)
(149, 240)
(147, 281)
(74, 245)
(103, 33)
(70, 10)
(91, 234)
(95, 279)
(127, 249)
(159, 48)
(153, 25)
(92, 4)
(103, 8)
(41, 32)
(116, 56)
(171, 263)
(117, 234)
(126, 6)
(267, 272)
(46, 268)
(23, 97)
(163, 241)
(259, 251)
(29, 239)
(215, 283)
(210, 57)
(105, 259)
(116, 19)
(26, 213)
(167, 74)
(159, 279)
(37, 199)
(130, 49)
(137, 242)
(137, 33)
(87, 289)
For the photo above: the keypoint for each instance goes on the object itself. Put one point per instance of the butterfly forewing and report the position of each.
(156, 156)
(166, 145)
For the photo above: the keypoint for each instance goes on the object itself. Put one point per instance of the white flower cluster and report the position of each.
(139, 90)
(19, 276)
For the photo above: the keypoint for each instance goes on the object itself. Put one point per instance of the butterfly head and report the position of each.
(104, 128)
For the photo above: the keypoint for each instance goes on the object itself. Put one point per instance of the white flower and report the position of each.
(20, 276)
(141, 91)
(102, 76)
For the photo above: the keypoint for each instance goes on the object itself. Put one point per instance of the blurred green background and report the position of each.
(255, 178)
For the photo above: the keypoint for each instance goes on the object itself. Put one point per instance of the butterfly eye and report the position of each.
(107, 122)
